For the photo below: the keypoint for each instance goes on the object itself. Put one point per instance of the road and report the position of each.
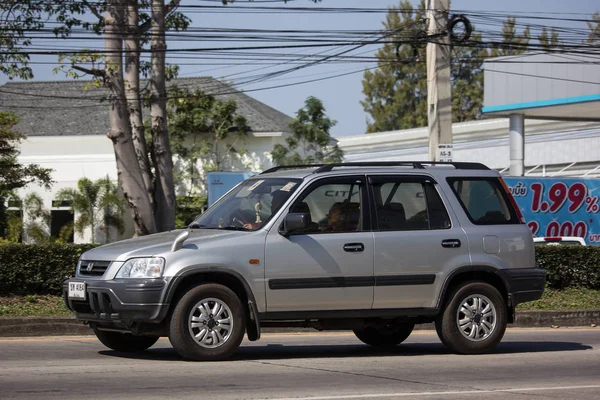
(528, 364)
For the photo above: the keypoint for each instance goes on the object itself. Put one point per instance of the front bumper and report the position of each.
(120, 301)
(525, 284)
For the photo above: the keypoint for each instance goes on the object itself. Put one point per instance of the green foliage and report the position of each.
(549, 40)
(594, 36)
(396, 92)
(18, 18)
(12, 174)
(37, 269)
(566, 299)
(570, 266)
(203, 127)
(98, 204)
(33, 306)
(188, 208)
(512, 42)
(311, 141)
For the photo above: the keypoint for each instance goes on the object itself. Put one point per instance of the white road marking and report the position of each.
(451, 393)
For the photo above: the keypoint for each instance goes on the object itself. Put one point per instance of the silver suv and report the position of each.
(370, 247)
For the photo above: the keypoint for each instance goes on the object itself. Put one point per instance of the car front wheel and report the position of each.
(208, 323)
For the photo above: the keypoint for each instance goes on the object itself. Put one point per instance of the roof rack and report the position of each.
(413, 164)
(298, 166)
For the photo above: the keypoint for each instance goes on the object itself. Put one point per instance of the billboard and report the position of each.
(559, 206)
(220, 183)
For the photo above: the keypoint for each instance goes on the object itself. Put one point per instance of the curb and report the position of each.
(67, 326)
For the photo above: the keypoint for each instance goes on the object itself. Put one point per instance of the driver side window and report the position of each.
(333, 207)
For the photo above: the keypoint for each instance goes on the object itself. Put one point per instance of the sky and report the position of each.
(342, 95)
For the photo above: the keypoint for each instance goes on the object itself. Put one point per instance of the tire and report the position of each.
(388, 335)
(480, 330)
(197, 334)
(125, 342)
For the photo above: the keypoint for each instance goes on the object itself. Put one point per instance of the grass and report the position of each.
(33, 306)
(567, 299)
(53, 306)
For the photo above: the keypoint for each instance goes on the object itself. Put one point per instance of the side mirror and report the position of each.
(295, 222)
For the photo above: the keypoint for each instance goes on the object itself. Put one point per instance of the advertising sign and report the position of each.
(220, 183)
(559, 206)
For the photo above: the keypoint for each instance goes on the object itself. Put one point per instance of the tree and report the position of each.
(99, 205)
(594, 35)
(396, 92)
(548, 40)
(205, 128)
(311, 141)
(512, 42)
(13, 175)
(18, 18)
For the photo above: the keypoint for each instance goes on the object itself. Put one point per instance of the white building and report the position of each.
(66, 128)
(552, 148)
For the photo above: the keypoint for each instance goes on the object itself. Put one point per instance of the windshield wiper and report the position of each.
(197, 226)
(234, 228)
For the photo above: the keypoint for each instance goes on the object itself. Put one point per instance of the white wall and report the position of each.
(550, 144)
(91, 156)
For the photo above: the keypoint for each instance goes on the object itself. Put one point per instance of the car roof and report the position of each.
(441, 170)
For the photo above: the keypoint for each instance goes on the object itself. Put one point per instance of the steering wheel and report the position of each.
(238, 218)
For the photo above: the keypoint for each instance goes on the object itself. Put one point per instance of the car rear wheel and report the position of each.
(474, 320)
(125, 342)
(208, 323)
(385, 334)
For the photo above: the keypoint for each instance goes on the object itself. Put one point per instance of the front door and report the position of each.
(330, 265)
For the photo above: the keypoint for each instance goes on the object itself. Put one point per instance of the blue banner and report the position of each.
(220, 183)
(559, 206)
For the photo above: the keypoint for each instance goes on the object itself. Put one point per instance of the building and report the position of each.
(66, 128)
(553, 148)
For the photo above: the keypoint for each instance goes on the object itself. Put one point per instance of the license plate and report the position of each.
(77, 290)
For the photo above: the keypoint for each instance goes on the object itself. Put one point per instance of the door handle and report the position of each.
(451, 243)
(354, 247)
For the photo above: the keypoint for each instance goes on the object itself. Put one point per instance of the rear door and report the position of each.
(417, 241)
(497, 236)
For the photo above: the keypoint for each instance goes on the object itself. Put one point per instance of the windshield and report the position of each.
(249, 206)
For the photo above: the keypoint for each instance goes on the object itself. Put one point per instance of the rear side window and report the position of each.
(484, 201)
(404, 204)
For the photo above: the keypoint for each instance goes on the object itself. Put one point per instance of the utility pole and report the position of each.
(439, 100)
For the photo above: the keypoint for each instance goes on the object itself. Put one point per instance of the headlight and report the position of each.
(142, 268)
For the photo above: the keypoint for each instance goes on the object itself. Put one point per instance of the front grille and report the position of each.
(93, 268)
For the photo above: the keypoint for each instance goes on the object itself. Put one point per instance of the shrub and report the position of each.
(570, 266)
(40, 269)
(37, 269)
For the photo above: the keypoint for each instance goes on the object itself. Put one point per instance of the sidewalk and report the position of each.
(45, 326)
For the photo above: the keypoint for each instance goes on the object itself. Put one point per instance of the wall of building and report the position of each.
(550, 146)
(91, 156)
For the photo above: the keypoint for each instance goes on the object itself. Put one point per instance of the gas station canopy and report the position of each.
(558, 86)
(550, 86)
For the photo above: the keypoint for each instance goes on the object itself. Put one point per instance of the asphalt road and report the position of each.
(528, 364)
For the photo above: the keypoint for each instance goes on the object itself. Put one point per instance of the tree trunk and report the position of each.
(132, 91)
(164, 189)
(128, 168)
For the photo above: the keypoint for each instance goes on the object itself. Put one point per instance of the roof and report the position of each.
(542, 85)
(65, 108)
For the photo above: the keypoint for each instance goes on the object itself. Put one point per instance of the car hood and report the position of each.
(154, 245)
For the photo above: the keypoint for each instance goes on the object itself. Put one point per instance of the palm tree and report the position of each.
(98, 204)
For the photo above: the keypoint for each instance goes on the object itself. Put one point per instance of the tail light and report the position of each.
(513, 202)
(552, 239)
